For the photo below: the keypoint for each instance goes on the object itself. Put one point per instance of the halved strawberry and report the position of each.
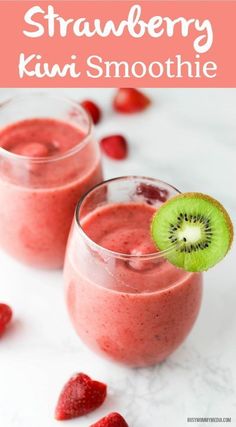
(115, 146)
(152, 192)
(5, 316)
(92, 109)
(112, 420)
(80, 396)
(129, 100)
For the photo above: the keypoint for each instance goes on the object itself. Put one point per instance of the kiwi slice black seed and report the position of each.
(194, 229)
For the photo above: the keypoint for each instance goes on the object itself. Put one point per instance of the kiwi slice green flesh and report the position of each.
(194, 229)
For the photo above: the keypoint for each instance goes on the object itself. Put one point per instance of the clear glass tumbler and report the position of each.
(48, 160)
(125, 300)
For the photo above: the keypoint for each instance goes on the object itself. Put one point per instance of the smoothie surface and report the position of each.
(122, 228)
(40, 137)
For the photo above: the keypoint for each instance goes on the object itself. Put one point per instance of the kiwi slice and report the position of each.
(194, 229)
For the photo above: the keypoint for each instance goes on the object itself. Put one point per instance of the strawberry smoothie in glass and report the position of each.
(48, 160)
(125, 300)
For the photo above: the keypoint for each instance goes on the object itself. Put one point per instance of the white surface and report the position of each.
(187, 138)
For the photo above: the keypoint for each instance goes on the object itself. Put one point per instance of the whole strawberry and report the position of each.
(5, 316)
(129, 100)
(92, 109)
(112, 420)
(115, 147)
(80, 396)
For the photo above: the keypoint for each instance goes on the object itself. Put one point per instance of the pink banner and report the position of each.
(123, 43)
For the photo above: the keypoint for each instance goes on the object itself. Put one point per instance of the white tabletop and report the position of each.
(187, 138)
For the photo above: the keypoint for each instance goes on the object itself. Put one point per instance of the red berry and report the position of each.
(93, 110)
(5, 316)
(112, 420)
(115, 146)
(128, 100)
(152, 193)
(79, 396)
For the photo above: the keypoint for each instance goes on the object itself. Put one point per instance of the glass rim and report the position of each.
(120, 255)
(56, 157)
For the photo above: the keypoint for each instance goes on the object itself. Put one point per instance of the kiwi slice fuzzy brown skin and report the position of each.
(194, 230)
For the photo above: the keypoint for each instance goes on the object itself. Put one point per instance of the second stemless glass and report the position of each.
(136, 308)
(38, 195)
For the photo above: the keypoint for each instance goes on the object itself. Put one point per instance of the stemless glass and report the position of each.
(55, 160)
(132, 306)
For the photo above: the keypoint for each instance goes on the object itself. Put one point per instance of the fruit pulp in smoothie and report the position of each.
(135, 310)
(39, 188)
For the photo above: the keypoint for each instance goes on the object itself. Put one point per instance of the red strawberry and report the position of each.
(152, 193)
(128, 100)
(93, 110)
(5, 316)
(79, 396)
(112, 420)
(115, 146)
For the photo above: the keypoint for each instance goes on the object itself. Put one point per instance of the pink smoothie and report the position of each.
(132, 310)
(40, 187)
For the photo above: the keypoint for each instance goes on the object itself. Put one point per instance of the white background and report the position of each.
(187, 138)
